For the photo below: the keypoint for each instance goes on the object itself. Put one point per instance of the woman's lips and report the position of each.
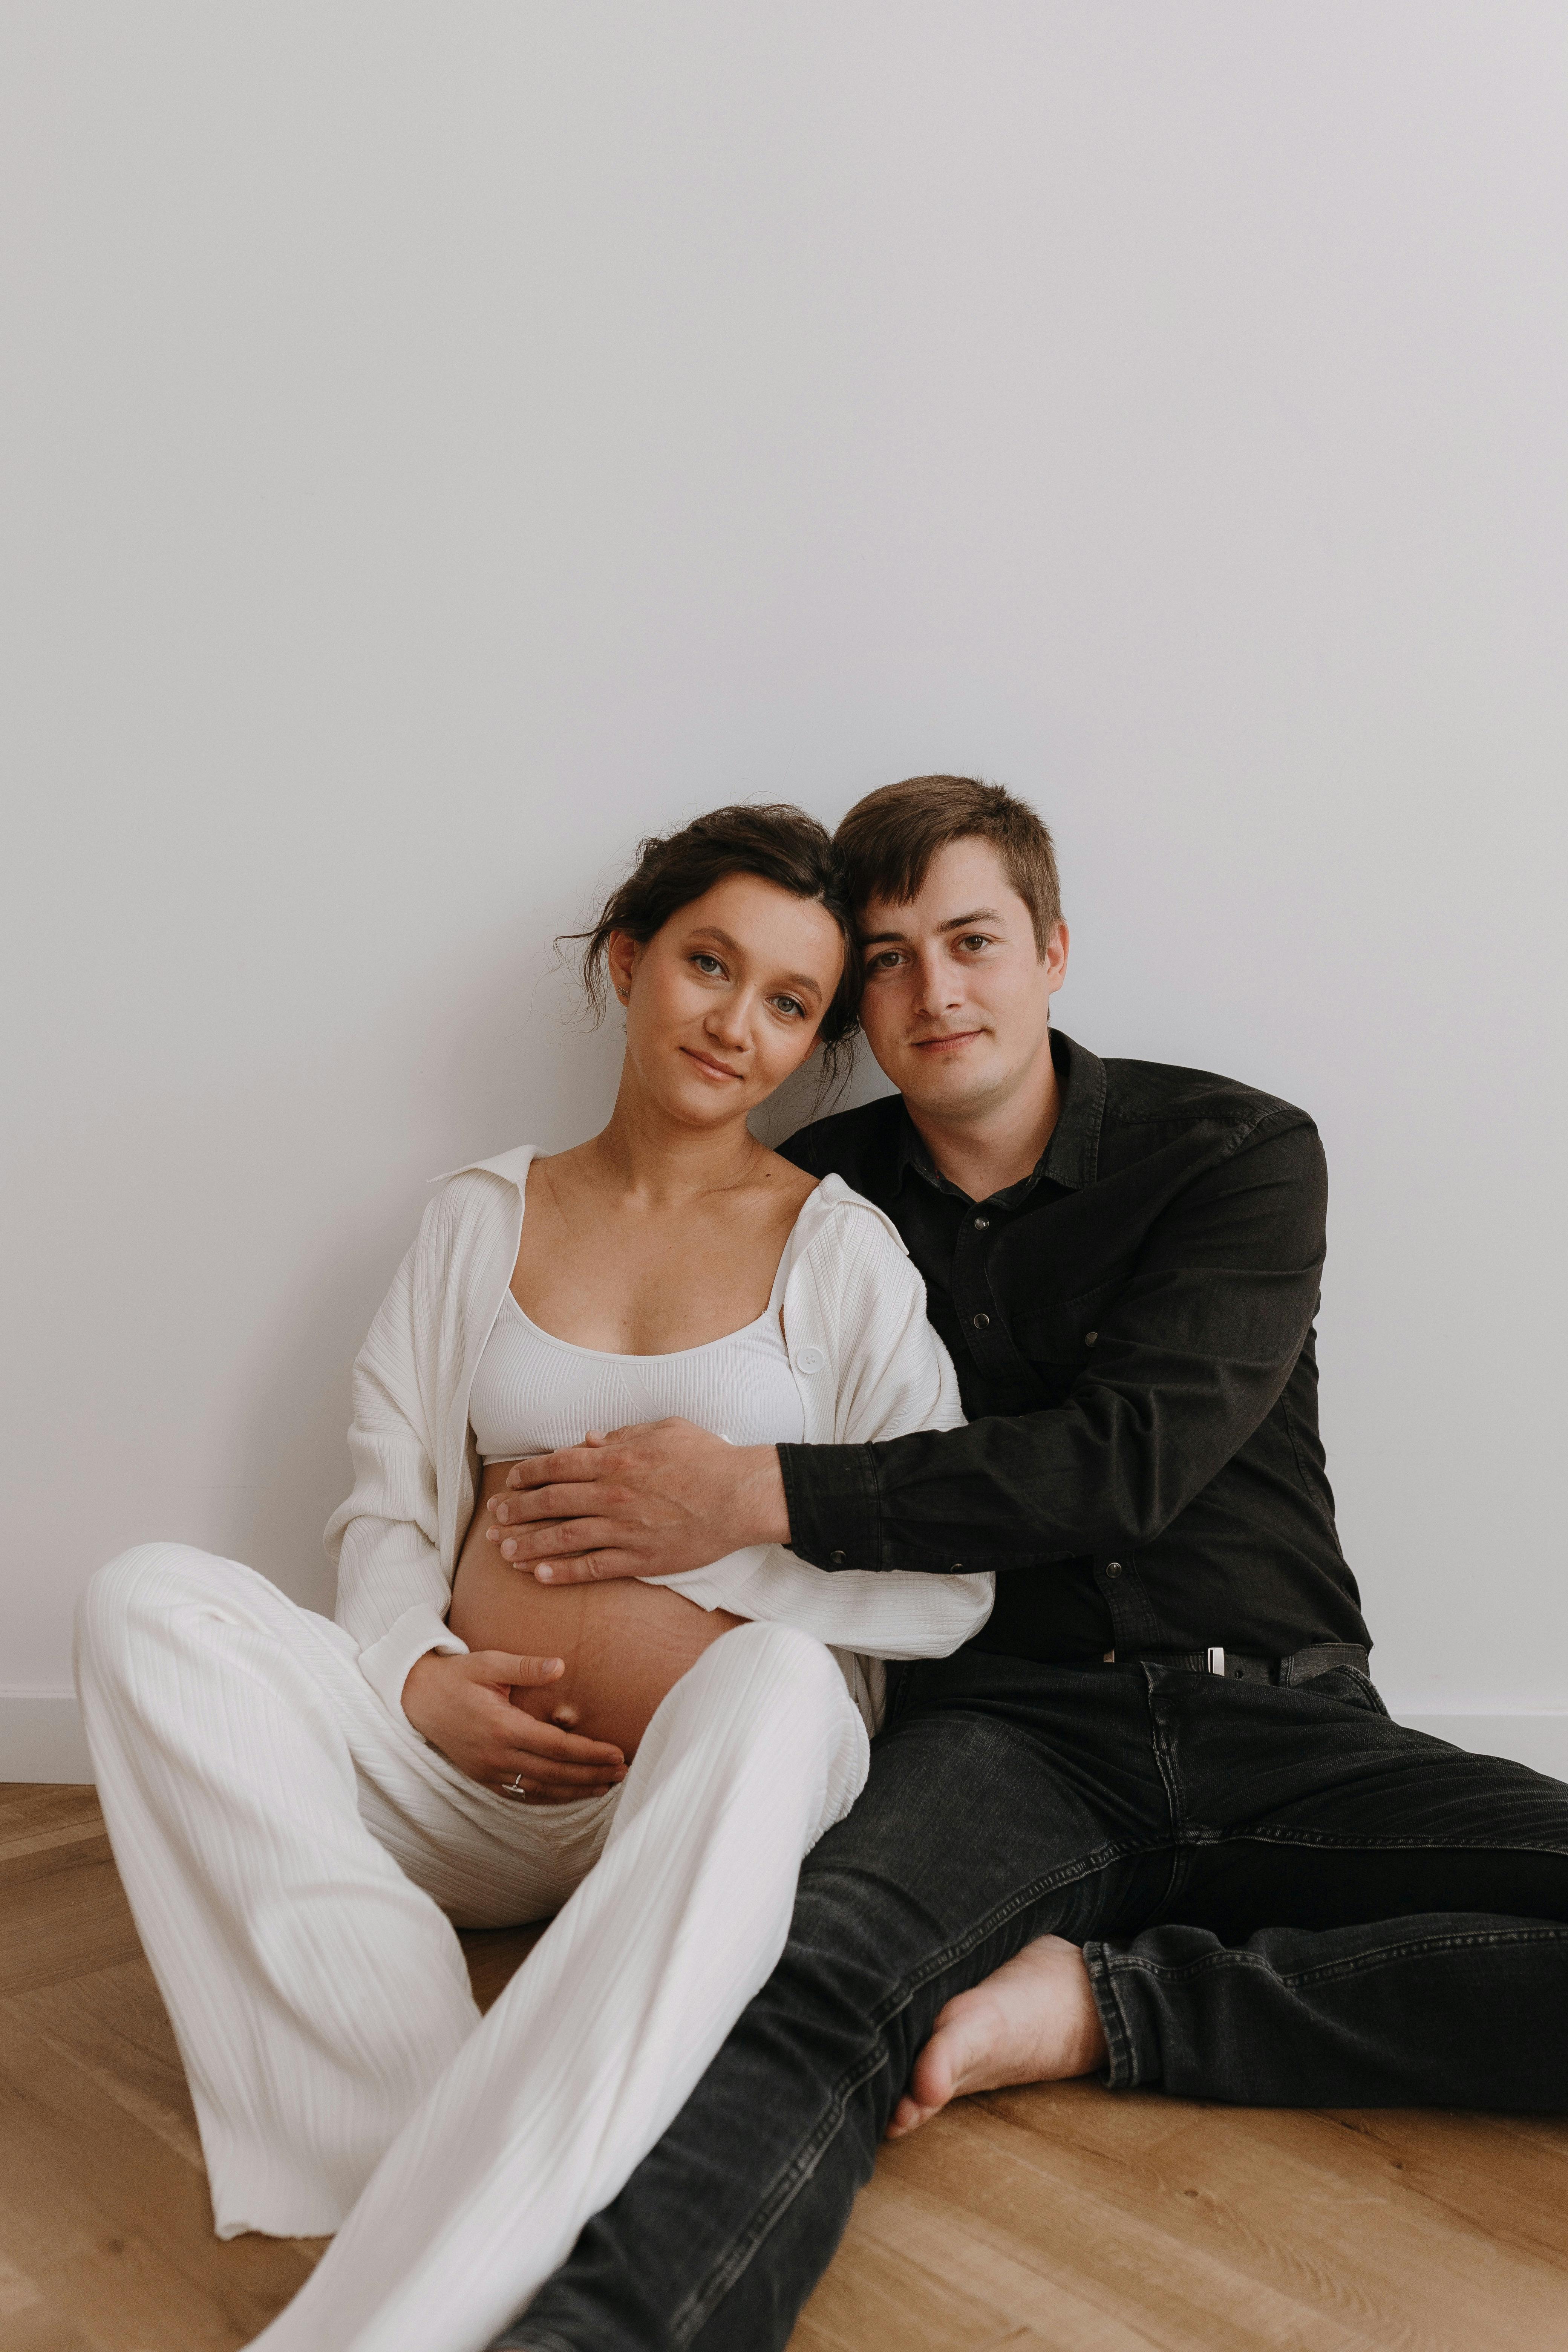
(714, 1069)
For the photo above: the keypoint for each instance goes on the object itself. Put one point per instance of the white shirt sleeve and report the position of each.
(393, 1592)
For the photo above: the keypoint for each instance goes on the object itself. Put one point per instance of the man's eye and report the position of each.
(884, 961)
(975, 939)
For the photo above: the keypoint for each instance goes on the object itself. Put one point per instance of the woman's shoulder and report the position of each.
(839, 1227)
(857, 1220)
(853, 1289)
(511, 1167)
(473, 1194)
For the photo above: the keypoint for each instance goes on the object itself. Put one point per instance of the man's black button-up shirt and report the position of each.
(1132, 1331)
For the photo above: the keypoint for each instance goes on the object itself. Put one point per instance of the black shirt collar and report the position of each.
(1070, 1157)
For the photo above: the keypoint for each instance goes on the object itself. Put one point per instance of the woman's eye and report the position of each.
(707, 964)
(792, 1005)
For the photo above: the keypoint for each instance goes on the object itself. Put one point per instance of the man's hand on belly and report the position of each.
(654, 1500)
(463, 1706)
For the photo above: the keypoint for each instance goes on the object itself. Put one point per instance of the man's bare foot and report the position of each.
(1033, 2021)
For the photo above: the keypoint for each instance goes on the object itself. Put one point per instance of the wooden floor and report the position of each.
(1061, 2218)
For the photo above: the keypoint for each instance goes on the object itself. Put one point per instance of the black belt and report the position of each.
(1241, 1665)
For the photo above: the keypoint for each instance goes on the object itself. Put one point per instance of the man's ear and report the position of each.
(1056, 959)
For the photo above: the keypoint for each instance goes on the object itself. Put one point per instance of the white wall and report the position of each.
(442, 442)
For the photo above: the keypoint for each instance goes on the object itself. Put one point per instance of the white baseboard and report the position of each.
(41, 1737)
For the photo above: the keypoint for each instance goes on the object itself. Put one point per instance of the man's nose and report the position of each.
(937, 986)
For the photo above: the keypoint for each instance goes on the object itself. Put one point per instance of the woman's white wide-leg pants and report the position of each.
(295, 1857)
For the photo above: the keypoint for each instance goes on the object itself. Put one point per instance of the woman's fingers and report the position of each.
(506, 1670)
(561, 1776)
(531, 1739)
(544, 1799)
(572, 1779)
(557, 1775)
(526, 1674)
(530, 1735)
(537, 1784)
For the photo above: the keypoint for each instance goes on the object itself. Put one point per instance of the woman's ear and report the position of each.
(620, 958)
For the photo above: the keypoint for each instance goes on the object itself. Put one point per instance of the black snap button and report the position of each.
(835, 1559)
(982, 1224)
(983, 1322)
(1113, 1568)
(958, 1567)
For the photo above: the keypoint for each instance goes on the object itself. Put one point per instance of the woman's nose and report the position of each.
(727, 1022)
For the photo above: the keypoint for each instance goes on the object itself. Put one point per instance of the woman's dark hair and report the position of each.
(780, 844)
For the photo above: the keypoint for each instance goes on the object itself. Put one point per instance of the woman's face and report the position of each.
(724, 1002)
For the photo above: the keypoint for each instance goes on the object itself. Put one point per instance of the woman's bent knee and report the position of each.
(766, 1682)
(791, 1660)
(137, 1589)
(798, 1699)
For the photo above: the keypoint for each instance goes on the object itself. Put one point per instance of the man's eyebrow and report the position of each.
(954, 923)
(801, 980)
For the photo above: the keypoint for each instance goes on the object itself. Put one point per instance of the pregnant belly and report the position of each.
(625, 1643)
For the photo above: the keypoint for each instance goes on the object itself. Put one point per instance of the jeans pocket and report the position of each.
(899, 1673)
(1356, 1689)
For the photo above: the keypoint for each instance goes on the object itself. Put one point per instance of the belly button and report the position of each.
(564, 1716)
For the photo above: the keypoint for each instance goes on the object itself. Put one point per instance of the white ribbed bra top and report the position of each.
(532, 1391)
(862, 1363)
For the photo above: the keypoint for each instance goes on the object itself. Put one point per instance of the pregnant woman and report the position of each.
(303, 1811)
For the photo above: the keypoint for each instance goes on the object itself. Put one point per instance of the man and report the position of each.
(1153, 1820)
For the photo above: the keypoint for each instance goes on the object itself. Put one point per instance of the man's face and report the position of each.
(957, 995)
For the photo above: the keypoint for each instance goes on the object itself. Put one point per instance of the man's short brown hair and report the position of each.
(889, 839)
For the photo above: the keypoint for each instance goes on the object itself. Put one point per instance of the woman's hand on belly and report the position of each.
(465, 1707)
(625, 1644)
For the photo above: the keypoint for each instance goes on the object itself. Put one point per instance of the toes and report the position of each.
(935, 2079)
(931, 2086)
(908, 2117)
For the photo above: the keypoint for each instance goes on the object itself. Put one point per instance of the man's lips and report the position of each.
(949, 1037)
(714, 1069)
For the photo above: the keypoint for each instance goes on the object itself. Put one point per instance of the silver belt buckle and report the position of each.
(1217, 1662)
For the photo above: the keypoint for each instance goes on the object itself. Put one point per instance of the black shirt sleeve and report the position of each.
(1193, 1349)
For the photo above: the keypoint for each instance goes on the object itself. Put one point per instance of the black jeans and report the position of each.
(1284, 1900)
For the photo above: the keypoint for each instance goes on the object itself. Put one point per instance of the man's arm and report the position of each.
(1193, 1349)
(1191, 1353)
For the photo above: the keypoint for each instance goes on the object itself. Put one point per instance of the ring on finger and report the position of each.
(514, 1788)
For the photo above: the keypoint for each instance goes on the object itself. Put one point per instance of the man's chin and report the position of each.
(951, 1087)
